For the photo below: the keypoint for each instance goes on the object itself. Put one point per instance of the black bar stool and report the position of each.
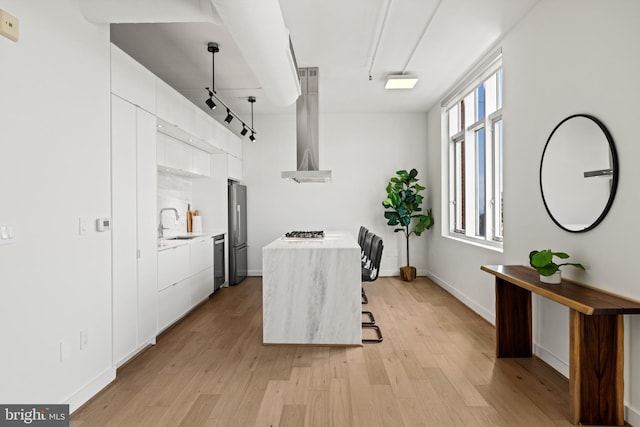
(370, 274)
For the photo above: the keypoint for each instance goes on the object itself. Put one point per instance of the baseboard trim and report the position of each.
(551, 359)
(87, 392)
(481, 311)
(632, 415)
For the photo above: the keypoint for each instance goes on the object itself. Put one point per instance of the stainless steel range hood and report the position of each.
(307, 132)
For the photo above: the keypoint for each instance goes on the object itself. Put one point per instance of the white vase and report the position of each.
(554, 279)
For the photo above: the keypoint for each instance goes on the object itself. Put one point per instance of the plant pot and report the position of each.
(408, 274)
(554, 279)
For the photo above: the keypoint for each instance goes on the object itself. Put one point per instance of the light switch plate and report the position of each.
(84, 226)
(9, 26)
(7, 233)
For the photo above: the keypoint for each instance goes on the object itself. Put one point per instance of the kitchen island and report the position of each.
(311, 291)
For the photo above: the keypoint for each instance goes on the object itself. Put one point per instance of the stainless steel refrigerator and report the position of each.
(237, 233)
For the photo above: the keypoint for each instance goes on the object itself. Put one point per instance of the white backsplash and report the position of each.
(174, 191)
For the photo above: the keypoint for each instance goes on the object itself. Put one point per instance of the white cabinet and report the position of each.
(131, 81)
(234, 145)
(178, 157)
(173, 265)
(172, 107)
(185, 278)
(201, 255)
(177, 154)
(134, 260)
(200, 286)
(234, 167)
(200, 162)
(173, 302)
(202, 125)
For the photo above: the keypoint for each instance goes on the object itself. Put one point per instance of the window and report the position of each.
(472, 130)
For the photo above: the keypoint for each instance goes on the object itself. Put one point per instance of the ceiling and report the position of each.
(436, 39)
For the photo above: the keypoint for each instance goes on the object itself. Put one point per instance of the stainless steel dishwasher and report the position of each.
(218, 262)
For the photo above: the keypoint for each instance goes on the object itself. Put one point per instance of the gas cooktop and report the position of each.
(304, 235)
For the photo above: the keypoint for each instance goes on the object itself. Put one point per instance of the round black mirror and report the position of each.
(579, 173)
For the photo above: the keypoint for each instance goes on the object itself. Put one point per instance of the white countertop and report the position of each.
(186, 238)
(331, 240)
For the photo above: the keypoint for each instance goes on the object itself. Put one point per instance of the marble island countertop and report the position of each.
(311, 291)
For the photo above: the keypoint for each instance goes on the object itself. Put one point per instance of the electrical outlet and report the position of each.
(84, 339)
(9, 26)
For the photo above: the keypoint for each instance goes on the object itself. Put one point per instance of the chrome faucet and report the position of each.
(161, 227)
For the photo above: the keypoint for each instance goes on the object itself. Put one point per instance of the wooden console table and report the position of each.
(596, 350)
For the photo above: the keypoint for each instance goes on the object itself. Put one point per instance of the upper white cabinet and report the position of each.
(131, 81)
(200, 162)
(234, 145)
(202, 125)
(172, 107)
(234, 168)
(180, 158)
(177, 155)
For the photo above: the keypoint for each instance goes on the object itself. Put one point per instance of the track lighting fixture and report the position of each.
(213, 48)
(209, 102)
(229, 117)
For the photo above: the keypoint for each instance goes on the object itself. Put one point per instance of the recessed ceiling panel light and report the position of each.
(401, 81)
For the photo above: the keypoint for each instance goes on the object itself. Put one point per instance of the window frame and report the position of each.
(487, 231)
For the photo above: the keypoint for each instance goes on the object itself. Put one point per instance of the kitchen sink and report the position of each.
(181, 237)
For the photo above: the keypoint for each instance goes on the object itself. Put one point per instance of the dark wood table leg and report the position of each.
(513, 320)
(596, 363)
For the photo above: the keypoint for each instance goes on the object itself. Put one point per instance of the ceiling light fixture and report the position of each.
(229, 117)
(209, 102)
(213, 48)
(252, 100)
(401, 81)
(404, 80)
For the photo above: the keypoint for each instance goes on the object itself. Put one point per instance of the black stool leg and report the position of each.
(378, 333)
(372, 320)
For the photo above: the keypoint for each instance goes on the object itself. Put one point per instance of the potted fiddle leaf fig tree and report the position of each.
(403, 211)
(549, 271)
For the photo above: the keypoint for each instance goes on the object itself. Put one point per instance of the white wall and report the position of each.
(54, 155)
(565, 57)
(363, 150)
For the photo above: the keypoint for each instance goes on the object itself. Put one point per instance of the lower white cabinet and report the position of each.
(201, 286)
(201, 254)
(173, 265)
(173, 302)
(185, 279)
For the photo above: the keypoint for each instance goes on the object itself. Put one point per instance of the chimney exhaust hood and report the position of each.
(307, 132)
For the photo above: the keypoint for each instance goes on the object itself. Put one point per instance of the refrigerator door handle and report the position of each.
(239, 228)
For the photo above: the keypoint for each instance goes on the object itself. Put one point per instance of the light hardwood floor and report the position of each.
(435, 367)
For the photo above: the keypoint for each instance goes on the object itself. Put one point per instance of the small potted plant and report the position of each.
(549, 271)
(403, 211)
